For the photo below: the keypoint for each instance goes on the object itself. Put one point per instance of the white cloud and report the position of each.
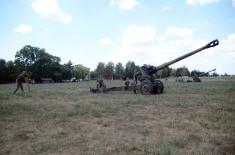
(49, 9)
(125, 4)
(166, 8)
(229, 55)
(227, 47)
(231, 40)
(200, 2)
(105, 41)
(138, 34)
(179, 32)
(186, 42)
(134, 40)
(233, 3)
(23, 28)
(206, 22)
(138, 43)
(142, 45)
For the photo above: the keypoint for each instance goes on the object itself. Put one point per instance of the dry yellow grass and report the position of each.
(189, 118)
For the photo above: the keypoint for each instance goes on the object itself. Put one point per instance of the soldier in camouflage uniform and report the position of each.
(19, 81)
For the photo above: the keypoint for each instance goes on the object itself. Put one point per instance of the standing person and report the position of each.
(19, 81)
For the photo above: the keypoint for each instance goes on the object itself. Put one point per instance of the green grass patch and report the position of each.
(65, 118)
(13, 108)
(94, 110)
(194, 137)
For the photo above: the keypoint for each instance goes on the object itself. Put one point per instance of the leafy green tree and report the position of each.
(3, 71)
(182, 71)
(196, 73)
(119, 70)
(70, 67)
(225, 74)
(80, 73)
(19, 66)
(215, 74)
(38, 62)
(67, 71)
(100, 69)
(43, 64)
(28, 55)
(173, 72)
(11, 71)
(57, 76)
(130, 69)
(165, 72)
(93, 75)
(109, 69)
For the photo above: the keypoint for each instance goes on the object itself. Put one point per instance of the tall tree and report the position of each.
(173, 72)
(100, 69)
(3, 71)
(11, 71)
(165, 72)
(130, 69)
(215, 74)
(70, 67)
(119, 70)
(182, 71)
(37, 61)
(109, 69)
(195, 73)
(80, 72)
(27, 55)
(67, 71)
(93, 75)
(19, 66)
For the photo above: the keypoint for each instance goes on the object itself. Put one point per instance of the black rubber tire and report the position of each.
(146, 87)
(158, 87)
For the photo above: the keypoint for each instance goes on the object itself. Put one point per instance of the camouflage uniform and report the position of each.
(19, 81)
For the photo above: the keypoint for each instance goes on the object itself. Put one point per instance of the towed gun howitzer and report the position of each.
(149, 84)
(197, 79)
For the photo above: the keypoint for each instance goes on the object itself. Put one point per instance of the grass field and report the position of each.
(66, 119)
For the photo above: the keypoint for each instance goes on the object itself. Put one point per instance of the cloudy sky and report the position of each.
(145, 31)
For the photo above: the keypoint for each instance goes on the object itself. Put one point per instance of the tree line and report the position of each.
(40, 64)
(112, 71)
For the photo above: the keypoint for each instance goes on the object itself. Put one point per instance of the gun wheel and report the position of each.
(158, 87)
(146, 87)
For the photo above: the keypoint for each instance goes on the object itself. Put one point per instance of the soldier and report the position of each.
(127, 83)
(19, 81)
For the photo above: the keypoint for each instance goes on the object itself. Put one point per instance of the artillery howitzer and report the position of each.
(149, 84)
(194, 78)
(197, 79)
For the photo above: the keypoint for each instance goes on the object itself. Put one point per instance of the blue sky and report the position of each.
(147, 32)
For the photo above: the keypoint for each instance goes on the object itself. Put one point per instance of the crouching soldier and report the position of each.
(19, 81)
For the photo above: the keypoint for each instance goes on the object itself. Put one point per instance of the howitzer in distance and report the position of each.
(197, 79)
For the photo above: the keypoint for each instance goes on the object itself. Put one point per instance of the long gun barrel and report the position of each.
(209, 45)
(207, 72)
